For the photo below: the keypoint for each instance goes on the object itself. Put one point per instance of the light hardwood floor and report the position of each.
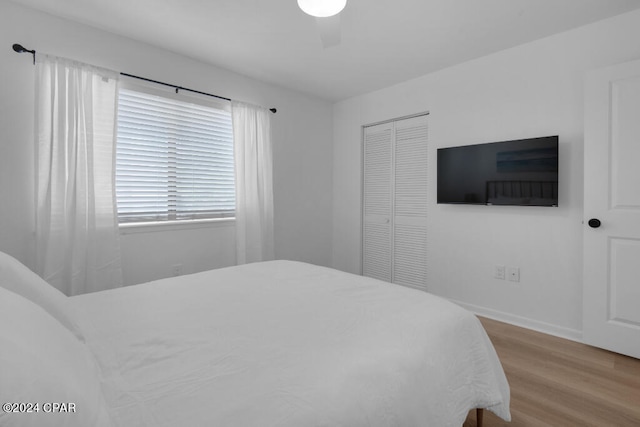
(557, 382)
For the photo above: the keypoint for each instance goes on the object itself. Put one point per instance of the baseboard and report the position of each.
(523, 322)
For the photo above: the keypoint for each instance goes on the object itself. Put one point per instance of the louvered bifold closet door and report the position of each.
(376, 238)
(410, 203)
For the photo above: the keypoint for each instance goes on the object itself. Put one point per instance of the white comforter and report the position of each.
(283, 343)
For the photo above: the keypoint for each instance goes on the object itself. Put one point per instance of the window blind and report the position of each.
(174, 160)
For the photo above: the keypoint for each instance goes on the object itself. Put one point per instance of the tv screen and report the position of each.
(522, 172)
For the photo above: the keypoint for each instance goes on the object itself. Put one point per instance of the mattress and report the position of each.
(284, 343)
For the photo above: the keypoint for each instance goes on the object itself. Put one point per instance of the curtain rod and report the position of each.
(20, 49)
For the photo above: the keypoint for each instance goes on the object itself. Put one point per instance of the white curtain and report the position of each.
(254, 187)
(77, 241)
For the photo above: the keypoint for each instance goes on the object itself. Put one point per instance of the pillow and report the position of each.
(42, 363)
(17, 278)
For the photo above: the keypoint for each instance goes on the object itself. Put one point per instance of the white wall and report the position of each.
(528, 91)
(301, 131)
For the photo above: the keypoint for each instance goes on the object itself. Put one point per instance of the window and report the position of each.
(174, 158)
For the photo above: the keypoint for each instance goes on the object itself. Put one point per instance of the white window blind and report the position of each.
(174, 160)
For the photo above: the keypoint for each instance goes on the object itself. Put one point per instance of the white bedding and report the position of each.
(284, 343)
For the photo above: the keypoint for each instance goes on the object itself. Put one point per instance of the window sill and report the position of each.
(159, 226)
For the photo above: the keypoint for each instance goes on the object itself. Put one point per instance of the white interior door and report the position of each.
(611, 309)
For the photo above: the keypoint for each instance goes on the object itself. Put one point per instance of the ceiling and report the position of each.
(383, 42)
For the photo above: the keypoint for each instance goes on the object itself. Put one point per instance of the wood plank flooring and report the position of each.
(557, 382)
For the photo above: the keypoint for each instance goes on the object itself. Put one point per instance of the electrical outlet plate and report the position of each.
(499, 271)
(514, 274)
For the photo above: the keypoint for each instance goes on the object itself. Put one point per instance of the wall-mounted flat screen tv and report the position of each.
(522, 172)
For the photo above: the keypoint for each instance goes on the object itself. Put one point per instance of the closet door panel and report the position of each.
(377, 232)
(409, 263)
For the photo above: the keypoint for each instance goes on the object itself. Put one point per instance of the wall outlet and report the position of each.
(498, 272)
(514, 274)
(176, 270)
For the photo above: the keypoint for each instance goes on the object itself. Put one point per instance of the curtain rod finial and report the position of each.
(273, 110)
(21, 49)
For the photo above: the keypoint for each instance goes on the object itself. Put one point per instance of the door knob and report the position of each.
(594, 223)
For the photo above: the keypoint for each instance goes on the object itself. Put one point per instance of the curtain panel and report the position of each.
(254, 182)
(77, 240)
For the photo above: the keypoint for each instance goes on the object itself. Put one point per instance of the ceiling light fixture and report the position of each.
(322, 8)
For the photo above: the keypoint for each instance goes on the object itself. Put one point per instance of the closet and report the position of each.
(394, 235)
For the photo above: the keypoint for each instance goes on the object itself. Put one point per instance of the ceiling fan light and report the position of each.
(322, 8)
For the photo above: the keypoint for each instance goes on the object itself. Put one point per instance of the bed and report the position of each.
(277, 343)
